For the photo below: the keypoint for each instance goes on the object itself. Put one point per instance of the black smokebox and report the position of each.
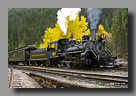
(93, 34)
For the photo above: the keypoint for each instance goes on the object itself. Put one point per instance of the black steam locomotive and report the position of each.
(66, 53)
(89, 52)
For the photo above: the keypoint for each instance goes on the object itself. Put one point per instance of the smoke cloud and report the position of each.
(63, 13)
(94, 16)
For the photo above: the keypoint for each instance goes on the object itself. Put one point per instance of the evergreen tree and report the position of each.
(107, 26)
(27, 25)
(120, 30)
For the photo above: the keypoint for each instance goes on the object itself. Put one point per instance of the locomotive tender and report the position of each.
(66, 53)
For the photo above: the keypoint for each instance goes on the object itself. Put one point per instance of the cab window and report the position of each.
(56, 46)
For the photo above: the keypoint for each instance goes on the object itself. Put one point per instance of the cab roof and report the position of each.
(57, 41)
(24, 48)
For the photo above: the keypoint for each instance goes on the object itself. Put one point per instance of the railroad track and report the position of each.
(101, 68)
(88, 68)
(83, 75)
(50, 82)
(14, 80)
(105, 68)
(10, 76)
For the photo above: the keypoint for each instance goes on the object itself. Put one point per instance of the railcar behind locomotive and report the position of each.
(21, 55)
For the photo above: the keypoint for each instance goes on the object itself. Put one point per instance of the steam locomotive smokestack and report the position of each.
(93, 34)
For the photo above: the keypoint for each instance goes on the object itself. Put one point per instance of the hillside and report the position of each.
(27, 25)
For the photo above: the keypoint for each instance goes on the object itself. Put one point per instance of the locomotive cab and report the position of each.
(60, 45)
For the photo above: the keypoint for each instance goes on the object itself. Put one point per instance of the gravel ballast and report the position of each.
(21, 80)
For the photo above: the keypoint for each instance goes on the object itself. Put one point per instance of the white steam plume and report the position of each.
(94, 16)
(63, 13)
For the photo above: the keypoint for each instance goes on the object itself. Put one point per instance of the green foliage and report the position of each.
(120, 30)
(107, 15)
(27, 25)
(107, 26)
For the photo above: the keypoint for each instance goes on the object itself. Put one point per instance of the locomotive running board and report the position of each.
(54, 57)
(75, 52)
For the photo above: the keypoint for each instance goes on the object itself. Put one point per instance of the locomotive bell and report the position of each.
(93, 34)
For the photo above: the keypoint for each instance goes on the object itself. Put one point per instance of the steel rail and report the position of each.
(11, 76)
(58, 82)
(78, 74)
(106, 68)
(81, 73)
(84, 73)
